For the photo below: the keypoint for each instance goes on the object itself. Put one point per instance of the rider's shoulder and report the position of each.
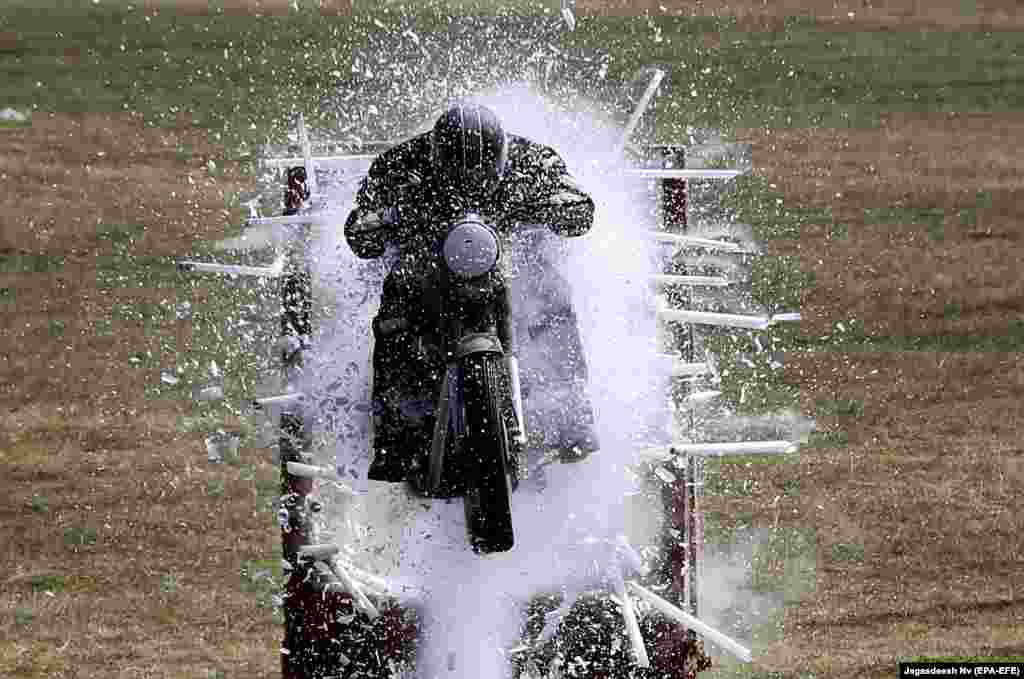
(407, 154)
(525, 151)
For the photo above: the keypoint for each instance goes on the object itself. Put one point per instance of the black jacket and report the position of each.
(399, 204)
(399, 201)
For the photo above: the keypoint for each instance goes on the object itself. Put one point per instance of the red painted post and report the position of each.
(685, 650)
(693, 532)
(312, 609)
(296, 191)
(325, 637)
(296, 285)
(673, 191)
(681, 543)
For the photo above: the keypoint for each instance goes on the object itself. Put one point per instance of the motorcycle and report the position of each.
(456, 334)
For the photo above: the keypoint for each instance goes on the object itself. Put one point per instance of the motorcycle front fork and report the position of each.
(446, 422)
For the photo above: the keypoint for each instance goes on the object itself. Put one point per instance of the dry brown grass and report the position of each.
(927, 484)
(926, 488)
(101, 486)
(66, 174)
(896, 277)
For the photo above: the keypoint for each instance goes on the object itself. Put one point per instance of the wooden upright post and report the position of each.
(693, 530)
(673, 190)
(327, 635)
(311, 608)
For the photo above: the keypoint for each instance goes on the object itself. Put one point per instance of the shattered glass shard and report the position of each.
(665, 475)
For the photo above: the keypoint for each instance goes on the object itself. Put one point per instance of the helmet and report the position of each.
(469, 151)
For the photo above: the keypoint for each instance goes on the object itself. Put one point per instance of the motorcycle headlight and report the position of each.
(471, 248)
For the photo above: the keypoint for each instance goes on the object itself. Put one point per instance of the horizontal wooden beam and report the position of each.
(728, 320)
(696, 397)
(694, 242)
(273, 271)
(680, 368)
(695, 281)
(675, 613)
(355, 160)
(721, 449)
(290, 220)
(309, 471)
(279, 400)
(695, 173)
(711, 318)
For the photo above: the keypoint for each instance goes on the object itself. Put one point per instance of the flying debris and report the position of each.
(210, 392)
(222, 446)
(676, 613)
(10, 115)
(342, 550)
(665, 475)
(569, 13)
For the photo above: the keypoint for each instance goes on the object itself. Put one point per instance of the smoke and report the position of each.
(474, 604)
(727, 599)
(474, 607)
(348, 292)
(566, 516)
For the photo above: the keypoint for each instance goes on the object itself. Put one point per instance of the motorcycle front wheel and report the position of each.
(485, 450)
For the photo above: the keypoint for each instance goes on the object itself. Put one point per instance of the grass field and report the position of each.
(887, 179)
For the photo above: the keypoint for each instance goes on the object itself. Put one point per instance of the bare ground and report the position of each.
(927, 484)
(929, 480)
(897, 277)
(101, 485)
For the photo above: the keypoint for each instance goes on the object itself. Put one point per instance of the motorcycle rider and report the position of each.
(468, 162)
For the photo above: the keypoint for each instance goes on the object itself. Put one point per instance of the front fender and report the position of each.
(478, 343)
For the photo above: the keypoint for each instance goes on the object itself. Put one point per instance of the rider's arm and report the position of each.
(368, 226)
(388, 200)
(545, 193)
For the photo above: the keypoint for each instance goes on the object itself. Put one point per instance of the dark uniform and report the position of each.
(402, 201)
